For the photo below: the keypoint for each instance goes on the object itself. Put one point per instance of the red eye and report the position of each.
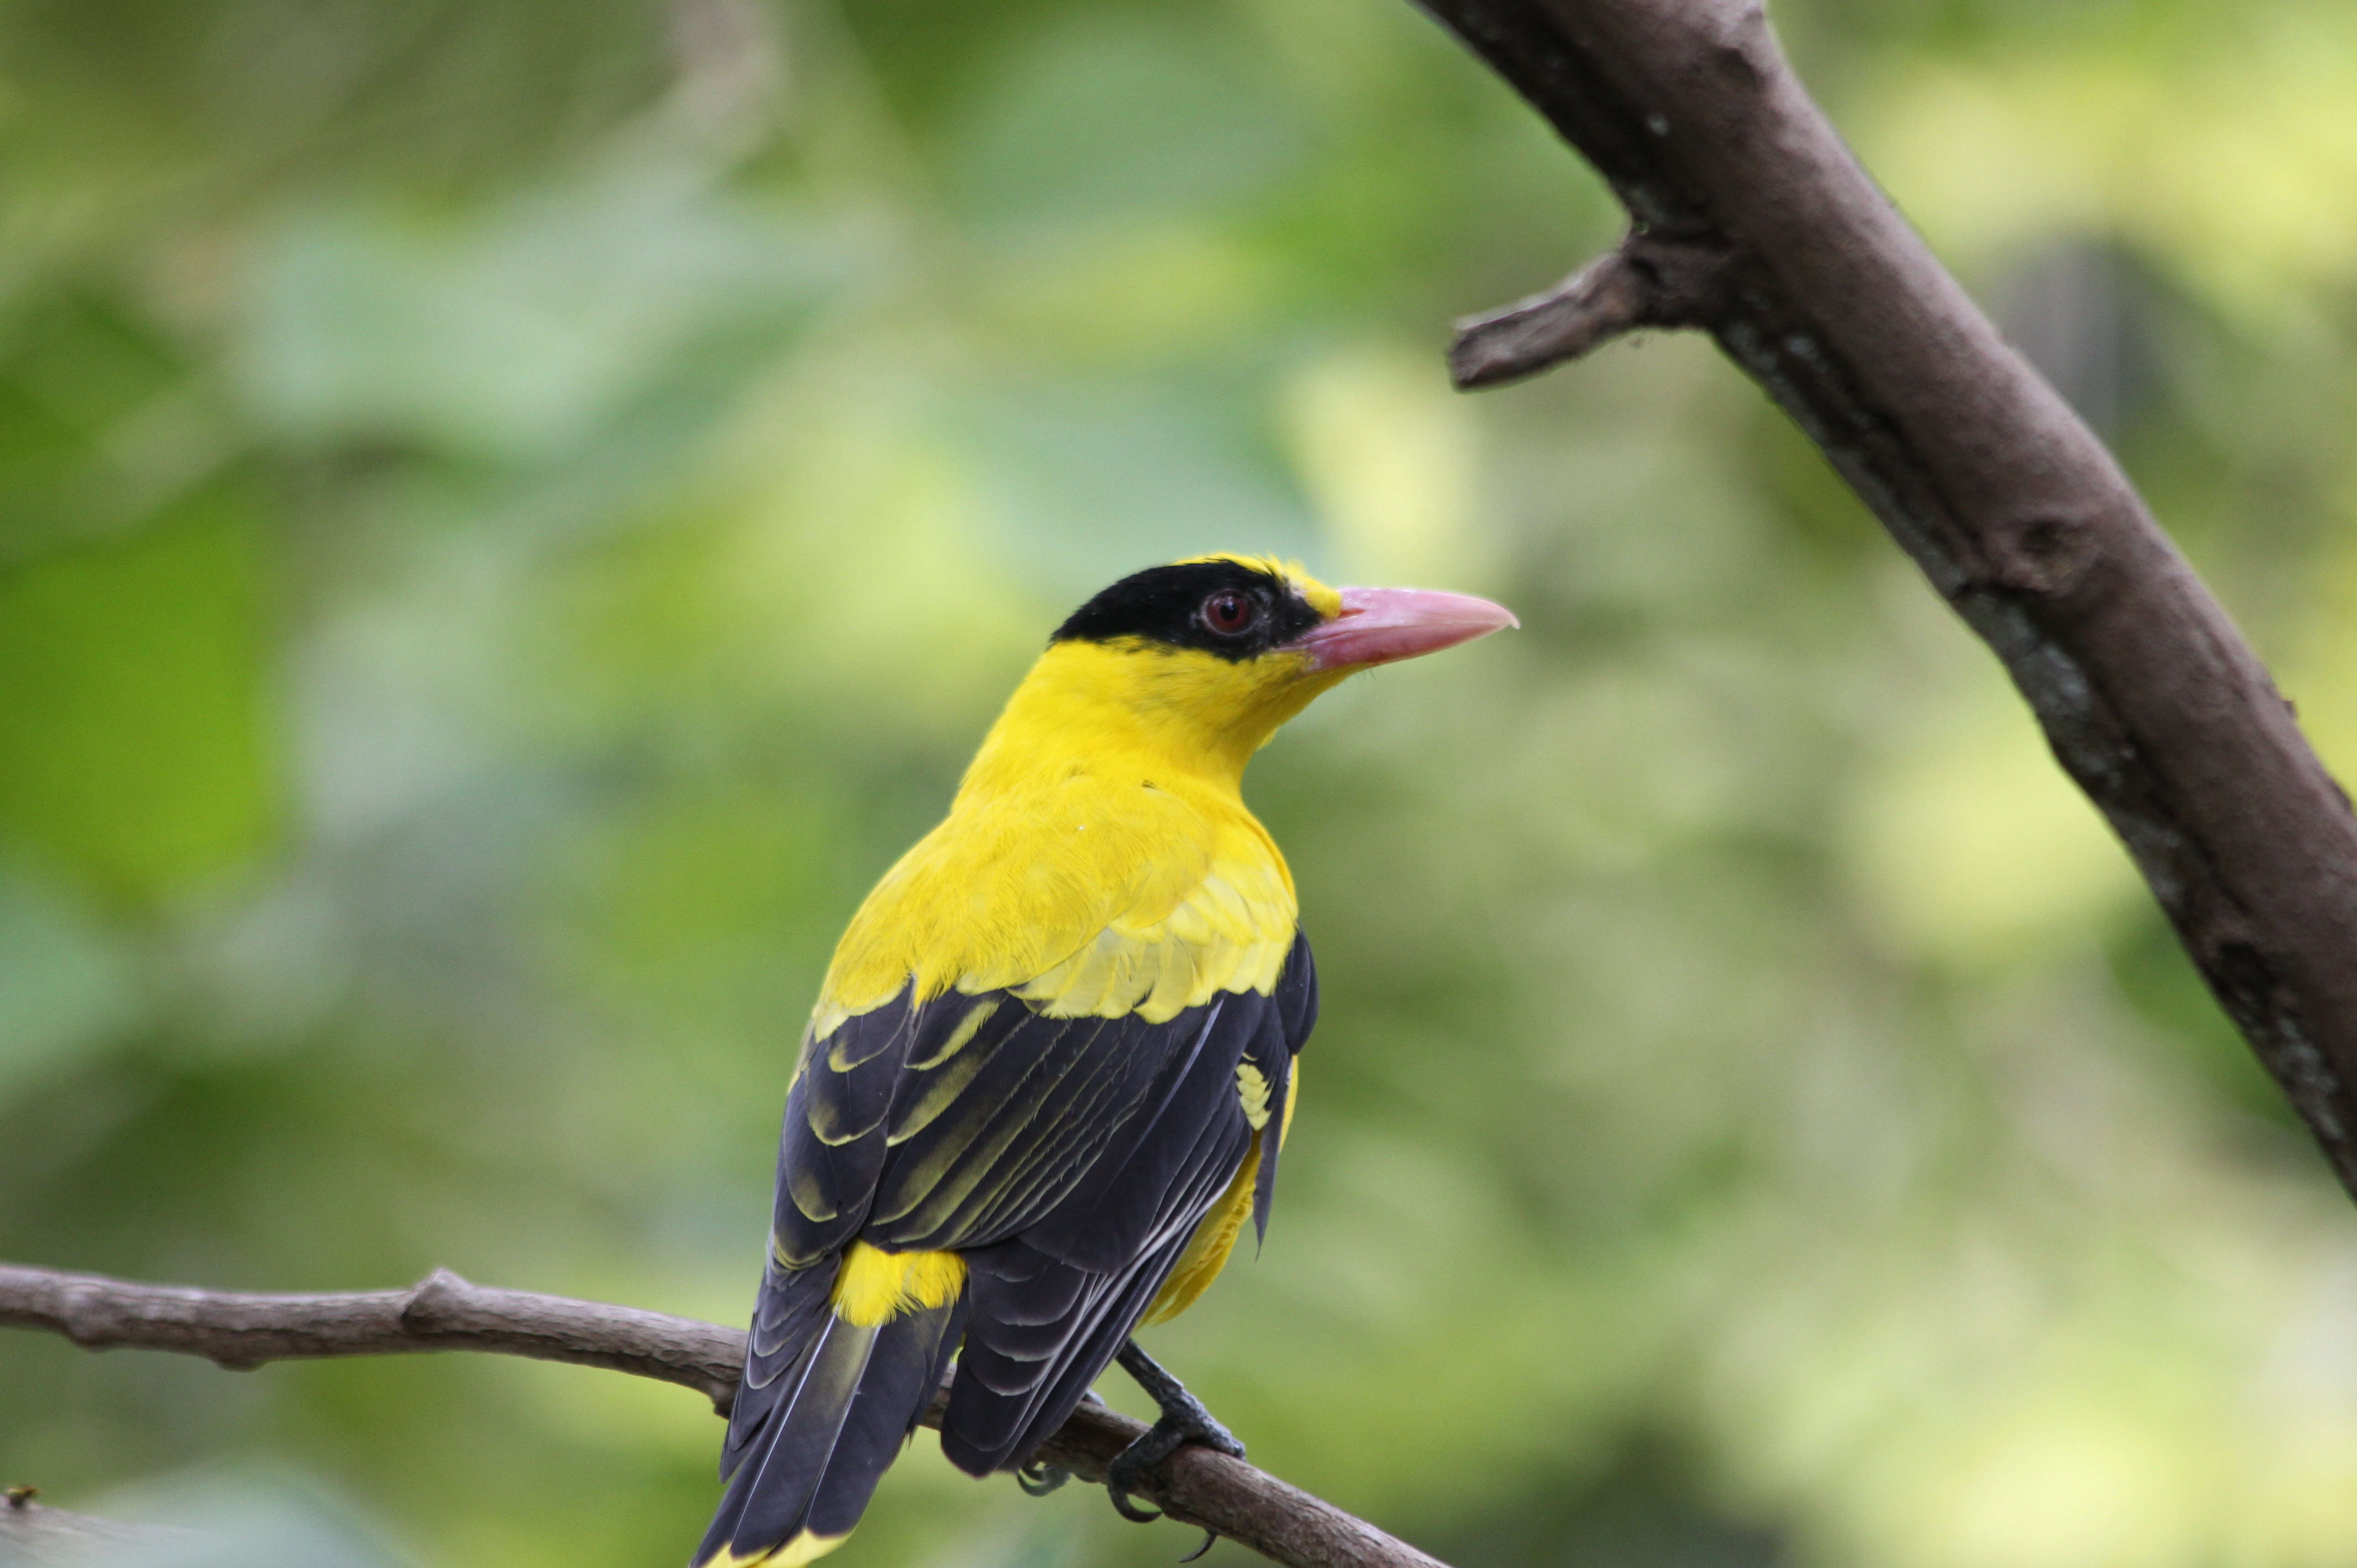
(1229, 614)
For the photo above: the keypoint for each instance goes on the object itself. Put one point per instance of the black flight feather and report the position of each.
(1068, 1160)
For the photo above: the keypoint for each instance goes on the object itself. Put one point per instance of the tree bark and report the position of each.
(1811, 280)
(443, 1312)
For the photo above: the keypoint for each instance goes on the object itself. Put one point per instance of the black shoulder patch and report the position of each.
(1167, 605)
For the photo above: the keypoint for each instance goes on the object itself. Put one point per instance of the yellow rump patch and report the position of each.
(803, 1547)
(877, 1286)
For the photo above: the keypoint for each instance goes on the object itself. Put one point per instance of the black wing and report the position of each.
(1069, 1159)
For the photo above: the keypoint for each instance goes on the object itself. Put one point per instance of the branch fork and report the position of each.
(1754, 220)
(1648, 280)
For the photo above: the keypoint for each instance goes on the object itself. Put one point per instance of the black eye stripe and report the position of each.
(1171, 604)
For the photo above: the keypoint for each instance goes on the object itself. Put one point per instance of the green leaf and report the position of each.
(133, 729)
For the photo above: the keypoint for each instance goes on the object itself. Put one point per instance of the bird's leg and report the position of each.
(1184, 1420)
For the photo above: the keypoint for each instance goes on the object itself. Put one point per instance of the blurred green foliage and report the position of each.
(512, 513)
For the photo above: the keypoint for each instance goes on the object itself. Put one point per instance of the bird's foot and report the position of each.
(1037, 1479)
(1184, 1421)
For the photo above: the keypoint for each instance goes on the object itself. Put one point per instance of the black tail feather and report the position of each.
(1002, 1407)
(821, 1436)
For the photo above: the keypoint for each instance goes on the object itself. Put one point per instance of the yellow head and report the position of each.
(1199, 662)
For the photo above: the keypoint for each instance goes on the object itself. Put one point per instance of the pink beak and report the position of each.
(1382, 626)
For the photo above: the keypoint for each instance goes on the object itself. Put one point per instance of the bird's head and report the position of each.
(1203, 658)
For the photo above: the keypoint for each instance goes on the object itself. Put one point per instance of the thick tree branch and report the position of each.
(444, 1312)
(2148, 696)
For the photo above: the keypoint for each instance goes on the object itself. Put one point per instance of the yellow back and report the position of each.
(1099, 859)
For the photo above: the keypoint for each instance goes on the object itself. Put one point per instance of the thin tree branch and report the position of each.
(1648, 281)
(35, 1536)
(444, 1312)
(2150, 698)
(441, 1312)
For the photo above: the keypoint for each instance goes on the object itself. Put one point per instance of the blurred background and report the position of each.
(512, 512)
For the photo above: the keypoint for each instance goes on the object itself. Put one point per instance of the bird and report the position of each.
(1053, 1061)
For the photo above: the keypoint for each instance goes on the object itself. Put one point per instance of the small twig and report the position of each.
(32, 1536)
(444, 1312)
(1647, 281)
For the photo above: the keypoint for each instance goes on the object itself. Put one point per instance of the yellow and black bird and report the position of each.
(1052, 1066)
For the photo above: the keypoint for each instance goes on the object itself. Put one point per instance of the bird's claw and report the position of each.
(1166, 1437)
(1037, 1479)
(1127, 1510)
(1184, 1421)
